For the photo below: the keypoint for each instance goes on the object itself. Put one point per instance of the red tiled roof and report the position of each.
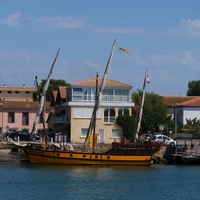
(62, 90)
(31, 89)
(173, 100)
(54, 95)
(92, 83)
(23, 105)
(192, 102)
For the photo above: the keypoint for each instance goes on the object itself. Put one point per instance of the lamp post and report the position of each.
(175, 119)
(1, 105)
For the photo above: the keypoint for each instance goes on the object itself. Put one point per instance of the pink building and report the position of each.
(18, 110)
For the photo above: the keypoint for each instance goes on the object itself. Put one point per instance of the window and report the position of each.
(123, 111)
(85, 113)
(25, 118)
(116, 133)
(77, 112)
(88, 94)
(107, 95)
(121, 92)
(109, 115)
(84, 132)
(27, 92)
(11, 117)
(107, 92)
(77, 94)
(122, 95)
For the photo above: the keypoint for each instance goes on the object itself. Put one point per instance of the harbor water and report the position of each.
(37, 182)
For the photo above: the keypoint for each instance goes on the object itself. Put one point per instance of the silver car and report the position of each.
(164, 140)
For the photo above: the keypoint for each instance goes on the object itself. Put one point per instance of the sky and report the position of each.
(161, 35)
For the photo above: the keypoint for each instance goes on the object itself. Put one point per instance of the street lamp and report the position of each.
(175, 119)
(1, 106)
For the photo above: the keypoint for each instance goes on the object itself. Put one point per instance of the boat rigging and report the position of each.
(42, 99)
(141, 104)
(98, 98)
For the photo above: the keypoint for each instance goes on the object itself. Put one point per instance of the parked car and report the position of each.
(164, 139)
(22, 135)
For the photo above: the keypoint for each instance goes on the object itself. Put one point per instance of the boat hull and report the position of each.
(39, 156)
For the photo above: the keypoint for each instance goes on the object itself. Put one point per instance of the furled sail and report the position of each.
(98, 97)
(41, 104)
(141, 104)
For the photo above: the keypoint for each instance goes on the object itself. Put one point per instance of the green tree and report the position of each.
(193, 88)
(193, 126)
(53, 86)
(127, 123)
(154, 112)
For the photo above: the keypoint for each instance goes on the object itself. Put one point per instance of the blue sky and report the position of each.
(161, 35)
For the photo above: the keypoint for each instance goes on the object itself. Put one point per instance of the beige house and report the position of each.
(77, 110)
(18, 110)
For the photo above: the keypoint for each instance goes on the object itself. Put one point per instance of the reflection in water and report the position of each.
(96, 182)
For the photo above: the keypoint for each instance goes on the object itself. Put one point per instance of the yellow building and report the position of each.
(77, 110)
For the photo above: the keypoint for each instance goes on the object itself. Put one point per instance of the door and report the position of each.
(101, 138)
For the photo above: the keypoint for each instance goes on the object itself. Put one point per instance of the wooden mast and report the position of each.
(95, 109)
(98, 97)
(141, 105)
(41, 104)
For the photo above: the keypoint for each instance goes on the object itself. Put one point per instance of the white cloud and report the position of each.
(187, 27)
(65, 62)
(190, 24)
(190, 60)
(68, 22)
(118, 30)
(159, 59)
(187, 59)
(89, 63)
(19, 66)
(12, 20)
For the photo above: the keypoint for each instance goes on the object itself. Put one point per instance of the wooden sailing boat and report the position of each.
(122, 153)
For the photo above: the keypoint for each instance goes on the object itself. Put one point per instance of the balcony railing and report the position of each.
(105, 98)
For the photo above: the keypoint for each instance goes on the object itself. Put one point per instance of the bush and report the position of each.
(127, 123)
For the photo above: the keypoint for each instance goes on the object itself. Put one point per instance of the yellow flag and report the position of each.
(123, 49)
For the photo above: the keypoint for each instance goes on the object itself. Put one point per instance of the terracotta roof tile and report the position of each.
(21, 105)
(172, 100)
(62, 90)
(192, 102)
(54, 95)
(92, 83)
(31, 89)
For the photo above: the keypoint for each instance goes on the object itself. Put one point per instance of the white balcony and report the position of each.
(105, 98)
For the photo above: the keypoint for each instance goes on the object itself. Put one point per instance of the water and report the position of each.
(36, 182)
